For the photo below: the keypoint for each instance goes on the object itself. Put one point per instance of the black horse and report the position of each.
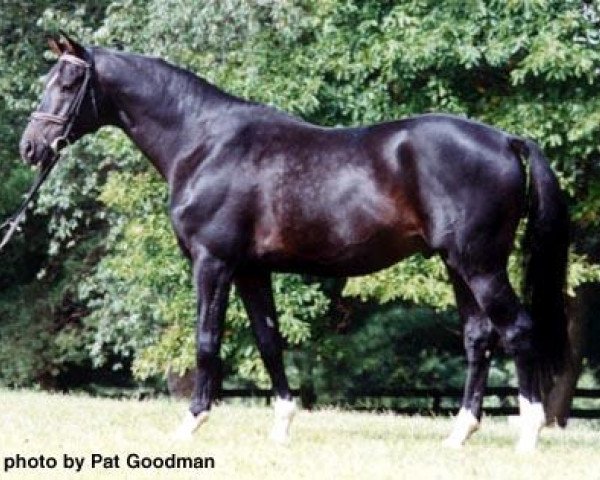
(254, 190)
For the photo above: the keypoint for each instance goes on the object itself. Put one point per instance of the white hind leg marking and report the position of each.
(284, 412)
(532, 419)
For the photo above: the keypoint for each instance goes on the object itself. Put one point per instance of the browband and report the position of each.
(67, 57)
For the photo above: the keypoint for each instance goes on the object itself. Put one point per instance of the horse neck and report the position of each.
(167, 112)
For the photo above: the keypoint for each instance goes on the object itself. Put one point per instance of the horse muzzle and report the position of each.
(28, 151)
(38, 153)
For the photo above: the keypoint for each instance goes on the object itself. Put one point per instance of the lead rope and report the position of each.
(13, 222)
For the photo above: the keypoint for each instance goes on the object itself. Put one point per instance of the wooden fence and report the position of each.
(426, 400)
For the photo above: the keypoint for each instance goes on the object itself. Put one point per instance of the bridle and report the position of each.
(60, 141)
(68, 119)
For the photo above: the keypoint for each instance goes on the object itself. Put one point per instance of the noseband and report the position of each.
(73, 111)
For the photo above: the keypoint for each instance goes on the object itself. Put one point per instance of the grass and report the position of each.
(327, 444)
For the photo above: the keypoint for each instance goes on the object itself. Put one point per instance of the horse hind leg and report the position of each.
(497, 299)
(480, 340)
(256, 293)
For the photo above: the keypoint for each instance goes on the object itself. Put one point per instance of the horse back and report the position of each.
(296, 197)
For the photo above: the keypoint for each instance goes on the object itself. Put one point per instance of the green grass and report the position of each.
(327, 444)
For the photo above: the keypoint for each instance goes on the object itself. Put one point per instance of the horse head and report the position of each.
(69, 105)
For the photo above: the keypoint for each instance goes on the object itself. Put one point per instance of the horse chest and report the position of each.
(212, 217)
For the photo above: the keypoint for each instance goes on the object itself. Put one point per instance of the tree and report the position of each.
(525, 66)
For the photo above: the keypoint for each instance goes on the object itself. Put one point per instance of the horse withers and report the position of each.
(254, 190)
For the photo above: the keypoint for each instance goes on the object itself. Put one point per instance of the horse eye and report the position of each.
(66, 85)
(70, 78)
(68, 82)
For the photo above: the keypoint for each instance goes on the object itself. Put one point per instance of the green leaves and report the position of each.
(527, 66)
(416, 280)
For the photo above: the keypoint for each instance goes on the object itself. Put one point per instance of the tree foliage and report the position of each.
(527, 66)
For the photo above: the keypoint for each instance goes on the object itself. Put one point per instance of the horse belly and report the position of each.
(332, 256)
(383, 250)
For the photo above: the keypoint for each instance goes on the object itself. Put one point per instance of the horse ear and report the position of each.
(71, 46)
(54, 46)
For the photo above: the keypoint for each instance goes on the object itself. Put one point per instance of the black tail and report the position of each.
(545, 247)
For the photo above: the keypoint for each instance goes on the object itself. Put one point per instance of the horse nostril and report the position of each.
(27, 150)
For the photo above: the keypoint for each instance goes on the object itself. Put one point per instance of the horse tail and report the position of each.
(545, 249)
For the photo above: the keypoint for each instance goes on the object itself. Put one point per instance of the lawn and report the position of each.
(328, 444)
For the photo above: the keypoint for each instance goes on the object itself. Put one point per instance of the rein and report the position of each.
(67, 120)
(13, 222)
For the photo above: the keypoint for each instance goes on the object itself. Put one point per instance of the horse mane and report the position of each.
(167, 76)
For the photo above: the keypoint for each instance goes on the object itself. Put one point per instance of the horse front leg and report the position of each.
(213, 281)
(256, 292)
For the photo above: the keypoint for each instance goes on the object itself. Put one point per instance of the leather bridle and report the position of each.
(69, 118)
(55, 146)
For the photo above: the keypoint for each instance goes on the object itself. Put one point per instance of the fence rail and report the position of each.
(438, 401)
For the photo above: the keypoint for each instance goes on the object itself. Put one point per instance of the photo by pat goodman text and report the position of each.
(17, 462)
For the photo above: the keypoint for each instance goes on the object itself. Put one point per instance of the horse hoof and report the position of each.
(279, 437)
(465, 424)
(525, 447)
(453, 443)
(527, 441)
(189, 425)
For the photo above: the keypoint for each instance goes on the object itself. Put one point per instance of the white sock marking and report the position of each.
(189, 425)
(465, 424)
(532, 419)
(284, 412)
